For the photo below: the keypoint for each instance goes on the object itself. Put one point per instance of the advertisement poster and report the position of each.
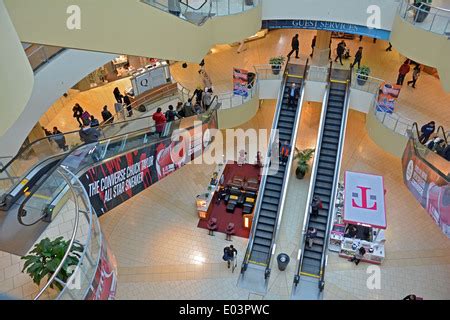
(431, 189)
(104, 285)
(113, 182)
(387, 97)
(240, 82)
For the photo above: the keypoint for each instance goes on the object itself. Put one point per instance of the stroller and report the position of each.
(346, 54)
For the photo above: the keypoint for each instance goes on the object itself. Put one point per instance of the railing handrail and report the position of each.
(256, 210)
(72, 238)
(444, 133)
(426, 5)
(195, 9)
(288, 166)
(313, 176)
(335, 181)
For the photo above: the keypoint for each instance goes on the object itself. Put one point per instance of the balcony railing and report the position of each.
(366, 83)
(318, 74)
(426, 17)
(39, 55)
(391, 120)
(199, 11)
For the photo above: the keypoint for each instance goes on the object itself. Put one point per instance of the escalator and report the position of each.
(35, 199)
(268, 210)
(308, 282)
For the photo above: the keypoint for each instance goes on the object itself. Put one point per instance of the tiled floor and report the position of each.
(162, 255)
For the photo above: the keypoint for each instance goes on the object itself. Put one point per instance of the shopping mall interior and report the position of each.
(225, 150)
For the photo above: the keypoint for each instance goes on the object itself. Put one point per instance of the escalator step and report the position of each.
(275, 180)
(325, 185)
(333, 122)
(327, 166)
(285, 131)
(265, 227)
(330, 147)
(324, 178)
(321, 191)
(271, 200)
(312, 254)
(258, 256)
(336, 104)
(327, 159)
(332, 140)
(284, 125)
(268, 214)
(271, 193)
(336, 116)
(263, 234)
(266, 220)
(328, 152)
(335, 110)
(324, 198)
(333, 128)
(337, 98)
(318, 226)
(264, 242)
(285, 137)
(270, 207)
(337, 92)
(287, 119)
(273, 187)
(261, 248)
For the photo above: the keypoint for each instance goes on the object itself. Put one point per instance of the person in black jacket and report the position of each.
(77, 113)
(171, 114)
(426, 131)
(127, 101)
(340, 51)
(358, 57)
(313, 45)
(295, 47)
(118, 95)
(106, 115)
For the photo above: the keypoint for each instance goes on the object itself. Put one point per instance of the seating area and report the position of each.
(235, 199)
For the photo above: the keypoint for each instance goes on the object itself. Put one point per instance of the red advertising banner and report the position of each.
(428, 186)
(104, 285)
(111, 183)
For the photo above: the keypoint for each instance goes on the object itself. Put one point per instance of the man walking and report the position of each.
(295, 44)
(229, 255)
(402, 72)
(313, 45)
(426, 131)
(316, 204)
(416, 74)
(340, 51)
(358, 57)
(285, 150)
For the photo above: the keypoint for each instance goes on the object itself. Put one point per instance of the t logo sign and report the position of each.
(364, 200)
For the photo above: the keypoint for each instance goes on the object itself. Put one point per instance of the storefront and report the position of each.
(360, 218)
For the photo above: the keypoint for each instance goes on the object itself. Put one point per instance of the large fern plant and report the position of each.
(46, 257)
(303, 157)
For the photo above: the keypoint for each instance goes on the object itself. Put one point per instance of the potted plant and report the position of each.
(303, 157)
(276, 63)
(422, 9)
(362, 74)
(46, 257)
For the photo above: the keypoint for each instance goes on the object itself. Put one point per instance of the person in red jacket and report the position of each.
(402, 72)
(160, 120)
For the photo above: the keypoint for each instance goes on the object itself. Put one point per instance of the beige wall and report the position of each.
(385, 138)
(128, 27)
(424, 47)
(234, 117)
(16, 75)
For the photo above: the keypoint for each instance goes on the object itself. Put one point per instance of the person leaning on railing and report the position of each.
(107, 116)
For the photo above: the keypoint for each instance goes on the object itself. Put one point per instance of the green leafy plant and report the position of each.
(277, 61)
(303, 157)
(364, 70)
(46, 257)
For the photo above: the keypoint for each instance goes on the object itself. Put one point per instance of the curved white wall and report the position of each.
(347, 11)
(50, 82)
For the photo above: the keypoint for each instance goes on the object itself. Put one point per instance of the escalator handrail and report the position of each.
(71, 241)
(195, 9)
(334, 189)
(118, 137)
(262, 184)
(288, 166)
(444, 134)
(313, 175)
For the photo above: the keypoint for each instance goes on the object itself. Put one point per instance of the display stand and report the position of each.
(358, 226)
(204, 200)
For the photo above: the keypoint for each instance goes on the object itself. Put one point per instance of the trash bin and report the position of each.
(283, 261)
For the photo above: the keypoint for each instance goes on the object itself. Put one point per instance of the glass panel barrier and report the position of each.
(39, 55)
(317, 74)
(425, 16)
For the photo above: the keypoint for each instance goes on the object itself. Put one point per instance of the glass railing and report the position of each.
(199, 11)
(39, 55)
(427, 17)
(317, 74)
(268, 72)
(86, 234)
(439, 164)
(391, 120)
(37, 203)
(56, 145)
(366, 83)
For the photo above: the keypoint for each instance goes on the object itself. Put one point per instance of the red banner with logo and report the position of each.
(430, 187)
